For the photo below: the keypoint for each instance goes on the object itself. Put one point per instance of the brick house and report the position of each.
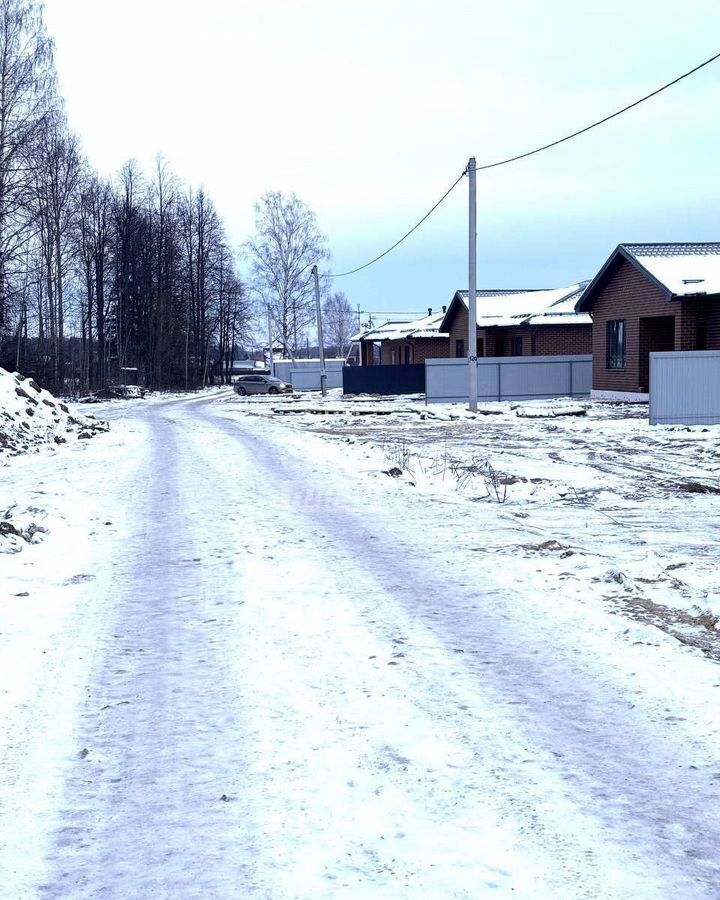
(650, 297)
(521, 323)
(404, 343)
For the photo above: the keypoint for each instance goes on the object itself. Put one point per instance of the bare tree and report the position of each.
(286, 244)
(163, 209)
(339, 323)
(57, 169)
(94, 238)
(99, 276)
(26, 95)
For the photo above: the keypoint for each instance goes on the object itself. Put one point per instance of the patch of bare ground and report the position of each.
(694, 630)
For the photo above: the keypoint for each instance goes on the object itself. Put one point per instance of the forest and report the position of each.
(102, 280)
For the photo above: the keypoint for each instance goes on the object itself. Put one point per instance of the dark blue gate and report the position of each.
(384, 379)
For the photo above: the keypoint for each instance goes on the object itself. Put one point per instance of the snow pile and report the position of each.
(19, 527)
(31, 417)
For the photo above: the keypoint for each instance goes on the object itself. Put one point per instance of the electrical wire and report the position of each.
(407, 233)
(619, 112)
(511, 159)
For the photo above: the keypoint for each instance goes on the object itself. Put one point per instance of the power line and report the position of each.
(511, 159)
(407, 233)
(619, 112)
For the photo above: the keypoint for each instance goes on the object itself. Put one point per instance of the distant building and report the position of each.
(403, 343)
(244, 367)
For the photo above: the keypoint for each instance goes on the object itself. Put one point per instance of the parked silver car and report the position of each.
(260, 384)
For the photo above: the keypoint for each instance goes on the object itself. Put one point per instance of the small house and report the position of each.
(404, 343)
(646, 298)
(521, 323)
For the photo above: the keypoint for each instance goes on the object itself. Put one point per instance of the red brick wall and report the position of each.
(386, 352)
(432, 348)
(367, 356)
(421, 349)
(458, 329)
(631, 296)
(563, 340)
(493, 342)
(696, 313)
(549, 340)
(541, 340)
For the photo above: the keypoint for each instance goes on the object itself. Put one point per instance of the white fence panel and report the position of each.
(304, 374)
(509, 378)
(685, 388)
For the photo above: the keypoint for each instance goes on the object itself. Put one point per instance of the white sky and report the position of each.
(369, 110)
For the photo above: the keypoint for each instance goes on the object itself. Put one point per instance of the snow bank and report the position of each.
(31, 418)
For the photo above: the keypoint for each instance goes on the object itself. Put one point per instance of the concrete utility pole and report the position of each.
(271, 360)
(321, 346)
(472, 289)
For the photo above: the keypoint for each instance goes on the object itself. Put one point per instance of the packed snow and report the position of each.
(363, 649)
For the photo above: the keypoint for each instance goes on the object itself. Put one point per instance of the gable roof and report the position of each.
(680, 270)
(428, 327)
(504, 308)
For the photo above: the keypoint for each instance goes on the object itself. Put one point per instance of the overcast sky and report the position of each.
(368, 110)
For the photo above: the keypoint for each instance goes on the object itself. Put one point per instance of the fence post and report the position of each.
(651, 392)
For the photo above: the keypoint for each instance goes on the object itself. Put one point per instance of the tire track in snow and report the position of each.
(153, 804)
(620, 769)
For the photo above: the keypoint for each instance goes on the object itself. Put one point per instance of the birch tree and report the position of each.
(286, 244)
(339, 322)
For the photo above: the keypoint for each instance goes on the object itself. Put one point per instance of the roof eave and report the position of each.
(585, 303)
(457, 298)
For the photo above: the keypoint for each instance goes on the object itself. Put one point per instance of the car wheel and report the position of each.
(242, 391)
(272, 390)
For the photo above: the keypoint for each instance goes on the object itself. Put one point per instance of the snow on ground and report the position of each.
(602, 505)
(250, 659)
(31, 417)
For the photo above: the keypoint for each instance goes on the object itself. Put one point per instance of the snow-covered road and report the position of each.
(265, 674)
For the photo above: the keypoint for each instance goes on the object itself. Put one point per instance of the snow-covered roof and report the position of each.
(428, 327)
(555, 306)
(684, 270)
(495, 309)
(563, 312)
(680, 270)
(247, 364)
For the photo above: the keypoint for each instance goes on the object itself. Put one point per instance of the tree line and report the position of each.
(101, 277)
(105, 280)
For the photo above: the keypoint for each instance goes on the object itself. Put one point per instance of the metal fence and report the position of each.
(509, 378)
(399, 379)
(685, 388)
(304, 374)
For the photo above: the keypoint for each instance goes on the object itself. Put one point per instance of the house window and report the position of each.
(407, 355)
(701, 338)
(460, 348)
(616, 343)
(516, 346)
